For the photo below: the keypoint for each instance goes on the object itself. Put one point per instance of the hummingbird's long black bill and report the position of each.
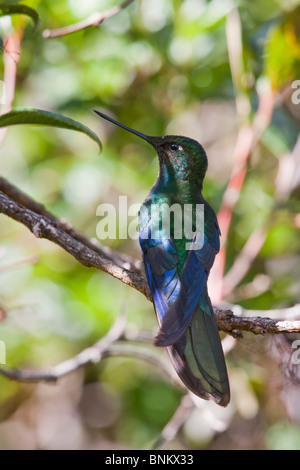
(148, 138)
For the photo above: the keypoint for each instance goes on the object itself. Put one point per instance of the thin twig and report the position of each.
(287, 178)
(88, 356)
(95, 19)
(172, 428)
(243, 261)
(144, 353)
(11, 57)
(248, 137)
(107, 347)
(19, 262)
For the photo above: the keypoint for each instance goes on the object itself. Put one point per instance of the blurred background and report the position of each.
(218, 71)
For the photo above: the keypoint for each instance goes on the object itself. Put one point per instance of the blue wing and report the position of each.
(160, 261)
(193, 284)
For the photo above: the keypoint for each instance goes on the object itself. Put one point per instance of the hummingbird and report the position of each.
(177, 268)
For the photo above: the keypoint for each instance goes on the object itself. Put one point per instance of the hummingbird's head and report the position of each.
(183, 156)
(180, 157)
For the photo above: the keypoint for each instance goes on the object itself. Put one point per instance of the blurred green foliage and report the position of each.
(160, 67)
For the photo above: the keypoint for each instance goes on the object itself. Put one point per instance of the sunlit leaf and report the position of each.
(45, 118)
(282, 51)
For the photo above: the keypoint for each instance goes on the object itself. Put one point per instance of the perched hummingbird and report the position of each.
(177, 275)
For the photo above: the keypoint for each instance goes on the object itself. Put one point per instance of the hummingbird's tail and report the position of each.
(198, 357)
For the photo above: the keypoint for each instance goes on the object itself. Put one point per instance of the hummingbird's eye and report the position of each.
(174, 147)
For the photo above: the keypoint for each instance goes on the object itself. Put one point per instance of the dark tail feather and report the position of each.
(198, 358)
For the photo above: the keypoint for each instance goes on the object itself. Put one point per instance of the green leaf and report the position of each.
(13, 9)
(282, 51)
(45, 118)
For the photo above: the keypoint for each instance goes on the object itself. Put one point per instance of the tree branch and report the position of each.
(44, 227)
(18, 196)
(233, 324)
(95, 19)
